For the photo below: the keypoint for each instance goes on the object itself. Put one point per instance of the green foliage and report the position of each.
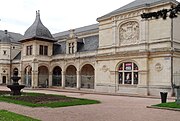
(53, 104)
(10, 116)
(168, 105)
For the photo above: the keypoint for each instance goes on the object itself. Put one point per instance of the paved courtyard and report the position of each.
(112, 108)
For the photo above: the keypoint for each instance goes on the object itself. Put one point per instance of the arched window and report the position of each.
(128, 73)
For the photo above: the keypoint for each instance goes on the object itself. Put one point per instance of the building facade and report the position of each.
(123, 53)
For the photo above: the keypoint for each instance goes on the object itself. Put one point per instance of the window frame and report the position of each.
(43, 50)
(29, 49)
(71, 46)
(128, 73)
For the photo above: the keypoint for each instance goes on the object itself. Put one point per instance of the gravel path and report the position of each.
(112, 108)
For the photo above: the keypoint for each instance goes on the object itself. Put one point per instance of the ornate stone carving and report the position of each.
(158, 67)
(129, 32)
(105, 68)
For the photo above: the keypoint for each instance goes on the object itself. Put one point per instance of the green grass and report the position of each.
(10, 116)
(73, 102)
(168, 105)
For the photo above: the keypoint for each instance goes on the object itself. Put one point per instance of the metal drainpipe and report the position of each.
(172, 51)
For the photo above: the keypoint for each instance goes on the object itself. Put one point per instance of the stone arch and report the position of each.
(57, 76)
(69, 64)
(71, 77)
(43, 76)
(125, 60)
(87, 76)
(85, 63)
(44, 64)
(53, 66)
(28, 76)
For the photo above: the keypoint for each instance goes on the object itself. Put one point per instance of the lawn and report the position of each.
(10, 116)
(168, 105)
(44, 100)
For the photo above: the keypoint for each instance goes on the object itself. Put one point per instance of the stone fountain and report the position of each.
(15, 87)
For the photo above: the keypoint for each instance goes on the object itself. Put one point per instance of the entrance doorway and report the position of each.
(4, 80)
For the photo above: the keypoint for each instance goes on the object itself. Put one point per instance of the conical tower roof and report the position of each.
(38, 31)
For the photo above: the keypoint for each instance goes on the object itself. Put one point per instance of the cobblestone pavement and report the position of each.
(112, 108)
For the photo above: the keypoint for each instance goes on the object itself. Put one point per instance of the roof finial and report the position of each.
(38, 13)
(72, 33)
(5, 31)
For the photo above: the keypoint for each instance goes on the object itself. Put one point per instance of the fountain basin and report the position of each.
(16, 89)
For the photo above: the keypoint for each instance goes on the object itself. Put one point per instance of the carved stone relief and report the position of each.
(105, 68)
(129, 33)
(158, 67)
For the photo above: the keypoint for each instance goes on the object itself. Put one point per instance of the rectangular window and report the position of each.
(29, 50)
(71, 48)
(43, 50)
(40, 50)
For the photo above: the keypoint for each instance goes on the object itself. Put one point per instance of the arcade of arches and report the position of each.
(70, 78)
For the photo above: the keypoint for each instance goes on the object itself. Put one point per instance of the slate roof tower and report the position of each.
(38, 31)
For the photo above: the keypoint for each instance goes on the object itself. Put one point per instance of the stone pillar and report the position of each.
(50, 79)
(78, 79)
(34, 81)
(22, 77)
(63, 79)
(114, 29)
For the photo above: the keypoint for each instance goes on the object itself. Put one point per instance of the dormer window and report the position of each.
(29, 50)
(71, 48)
(43, 50)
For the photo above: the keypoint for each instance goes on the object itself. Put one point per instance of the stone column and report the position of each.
(63, 79)
(34, 81)
(50, 79)
(22, 77)
(78, 79)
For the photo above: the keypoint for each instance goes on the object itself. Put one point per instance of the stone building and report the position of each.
(123, 53)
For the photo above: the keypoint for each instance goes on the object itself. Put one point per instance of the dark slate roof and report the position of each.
(38, 31)
(6, 38)
(59, 48)
(88, 44)
(14, 37)
(93, 27)
(135, 5)
(18, 56)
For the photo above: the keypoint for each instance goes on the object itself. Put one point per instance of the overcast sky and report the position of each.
(56, 15)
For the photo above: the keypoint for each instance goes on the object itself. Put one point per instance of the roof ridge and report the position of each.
(134, 5)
